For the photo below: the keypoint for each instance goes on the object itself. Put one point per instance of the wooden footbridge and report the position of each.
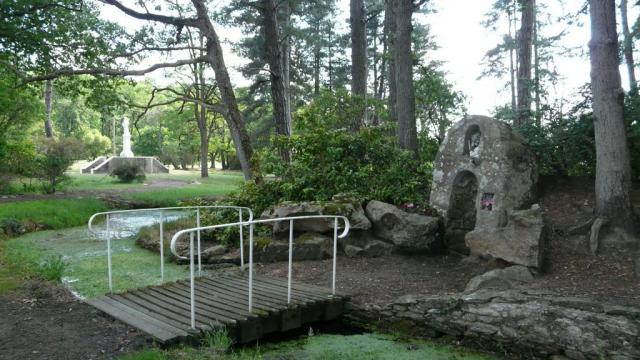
(249, 306)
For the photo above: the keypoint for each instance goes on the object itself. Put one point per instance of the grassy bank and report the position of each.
(51, 214)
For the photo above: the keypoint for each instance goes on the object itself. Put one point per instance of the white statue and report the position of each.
(126, 139)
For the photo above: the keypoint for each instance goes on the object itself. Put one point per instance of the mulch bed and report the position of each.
(43, 321)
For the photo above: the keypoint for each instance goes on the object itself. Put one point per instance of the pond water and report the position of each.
(127, 224)
(365, 347)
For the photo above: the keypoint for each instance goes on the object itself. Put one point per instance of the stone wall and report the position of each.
(542, 323)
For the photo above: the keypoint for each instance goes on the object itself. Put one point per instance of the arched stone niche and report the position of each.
(484, 159)
(472, 140)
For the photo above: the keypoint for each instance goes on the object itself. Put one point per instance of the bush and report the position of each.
(128, 173)
(329, 159)
(55, 157)
(95, 144)
(11, 227)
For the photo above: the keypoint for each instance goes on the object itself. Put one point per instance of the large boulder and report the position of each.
(339, 205)
(518, 241)
(403, 229)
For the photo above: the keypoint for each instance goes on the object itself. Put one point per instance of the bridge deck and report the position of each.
(221, 301)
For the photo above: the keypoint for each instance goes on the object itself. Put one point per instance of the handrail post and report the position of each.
(335, 253)
(199, 250)
(161, 246)
(241, 240)
(193, 287)
(290, 261)
(250, 267)
(109, 255)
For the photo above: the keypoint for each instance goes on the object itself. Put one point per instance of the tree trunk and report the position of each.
(390, 21)
(201, 119)
(613, 173)
(213, 160)
(405, 100)
(279, 97)
(48, 107)
(525, 44)
(286, 60)
(233, 117)
(358, 56)
(628, 49)
(512, 70)
(536, 66)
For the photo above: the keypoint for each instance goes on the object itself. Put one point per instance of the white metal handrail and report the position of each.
(108, 215)
(251, 224)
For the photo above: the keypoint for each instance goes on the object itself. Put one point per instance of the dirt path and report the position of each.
(42, 321)
(78, 194)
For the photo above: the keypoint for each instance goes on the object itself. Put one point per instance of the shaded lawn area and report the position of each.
(52, 213)
(189, 178)
(86, 261)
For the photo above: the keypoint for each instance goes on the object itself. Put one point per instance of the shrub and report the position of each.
(11, 227)
(329, 159)
(95, 144)
(128, 173)
(55, 157)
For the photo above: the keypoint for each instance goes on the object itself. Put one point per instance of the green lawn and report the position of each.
(190, 178)
(54, 213)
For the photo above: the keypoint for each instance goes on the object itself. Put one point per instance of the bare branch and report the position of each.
(138, 51)
(171, 20)
(110, 72)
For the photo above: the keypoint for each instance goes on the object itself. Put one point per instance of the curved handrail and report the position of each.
(252, 222)
(197, 209)
(90, 222)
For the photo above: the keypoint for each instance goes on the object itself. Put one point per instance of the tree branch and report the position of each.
(109, 72)
(171, 20)
(138, 51)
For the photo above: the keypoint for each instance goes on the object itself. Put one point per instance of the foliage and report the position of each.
(328, 159)
(436, 101)
(564, 142)
(55, 157)
(95, 144)
(128, 173)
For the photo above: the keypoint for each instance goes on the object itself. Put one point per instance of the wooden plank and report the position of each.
(224, 295)
(160, 331)
(243, 291)
(312, 289)
(239, 298)
(174, 303)
(282, 286)
(240, 294)
(169, 309)
(143, 302)
(259, 293)
(213, 301)
(154, 314)
(279, 292)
